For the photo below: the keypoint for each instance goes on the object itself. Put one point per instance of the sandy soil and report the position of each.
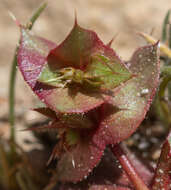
(106, 17)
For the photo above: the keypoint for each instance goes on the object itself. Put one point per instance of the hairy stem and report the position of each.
(128, 168)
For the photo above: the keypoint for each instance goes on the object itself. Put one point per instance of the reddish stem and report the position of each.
(128, 168)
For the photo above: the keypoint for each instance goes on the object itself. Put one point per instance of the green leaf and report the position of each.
(50, 78)
(110, 71)
(169, 35)
(72, 137)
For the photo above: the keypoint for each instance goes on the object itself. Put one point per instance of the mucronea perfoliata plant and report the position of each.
(93, 97)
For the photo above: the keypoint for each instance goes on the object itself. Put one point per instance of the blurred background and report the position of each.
(106, 17)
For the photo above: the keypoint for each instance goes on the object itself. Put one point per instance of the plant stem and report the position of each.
(165, 23)
(166, 71)
(161, 97)
(12, 96)
(13, 75)
(20, 181)
(128, 168)
(36, 15)
(163, 86)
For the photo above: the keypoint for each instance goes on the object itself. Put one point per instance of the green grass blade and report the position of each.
(164, 30)
(36, 15)
(169, 42)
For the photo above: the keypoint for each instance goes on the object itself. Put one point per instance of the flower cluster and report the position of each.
(93, 97)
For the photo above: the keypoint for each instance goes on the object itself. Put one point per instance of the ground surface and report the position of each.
(106, 17)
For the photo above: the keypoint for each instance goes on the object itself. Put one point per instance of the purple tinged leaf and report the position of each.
(121, 112)
(109, 175)
(77, 163)
(162, 179)
(52, 126)
(77, 152)
(32, 56)
(131, 100)
(46, 112)
(76, 51)
(71, 100)
(78, 121)
(107, 187)
(94, 187)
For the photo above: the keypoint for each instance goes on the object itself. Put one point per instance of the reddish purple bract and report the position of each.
(92, 96)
